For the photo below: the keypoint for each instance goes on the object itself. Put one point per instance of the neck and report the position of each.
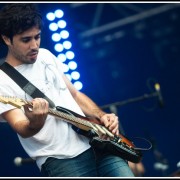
(12, 61)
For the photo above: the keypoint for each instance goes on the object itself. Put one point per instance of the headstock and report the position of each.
(17, 102)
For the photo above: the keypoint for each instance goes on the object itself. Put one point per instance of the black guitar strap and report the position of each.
(27, 86)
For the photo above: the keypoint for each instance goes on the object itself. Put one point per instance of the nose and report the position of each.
(34, 44)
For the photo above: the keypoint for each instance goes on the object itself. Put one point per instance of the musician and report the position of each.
(56, 147)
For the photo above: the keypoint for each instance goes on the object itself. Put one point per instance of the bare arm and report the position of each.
(29, 123)
(90, 108)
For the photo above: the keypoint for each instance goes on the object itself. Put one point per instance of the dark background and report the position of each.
(122, 50)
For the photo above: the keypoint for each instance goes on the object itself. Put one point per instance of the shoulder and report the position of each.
(47, 57)
(43, 53)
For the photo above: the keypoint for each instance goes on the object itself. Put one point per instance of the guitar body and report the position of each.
(118, 145)
(118, 149)
(112, 146)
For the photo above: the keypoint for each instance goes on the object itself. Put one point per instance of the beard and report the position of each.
(29, 58)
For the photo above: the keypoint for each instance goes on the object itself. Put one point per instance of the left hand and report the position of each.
(111, 122)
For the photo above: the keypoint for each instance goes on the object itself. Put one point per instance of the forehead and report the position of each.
(30, 32)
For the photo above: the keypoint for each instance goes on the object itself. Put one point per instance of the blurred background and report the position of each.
(116, 53)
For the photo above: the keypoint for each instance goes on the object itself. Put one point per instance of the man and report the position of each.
(57, 148)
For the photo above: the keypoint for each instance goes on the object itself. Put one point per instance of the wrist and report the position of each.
(99, 114)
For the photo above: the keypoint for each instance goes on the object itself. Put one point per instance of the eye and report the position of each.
(26, 40)
(37, 37)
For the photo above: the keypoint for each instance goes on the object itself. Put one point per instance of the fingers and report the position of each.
(114, 124)
(111, 122)
(40, 106)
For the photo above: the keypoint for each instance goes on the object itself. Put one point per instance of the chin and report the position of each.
(32, 61)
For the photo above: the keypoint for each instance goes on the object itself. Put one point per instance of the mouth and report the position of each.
(33, 55)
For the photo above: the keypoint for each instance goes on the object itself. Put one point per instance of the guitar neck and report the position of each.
(68, 117)
(81, 123)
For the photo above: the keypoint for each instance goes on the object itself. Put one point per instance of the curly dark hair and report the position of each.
(16, 18)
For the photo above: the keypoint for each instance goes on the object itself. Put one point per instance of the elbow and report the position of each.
(24, 136)
(28, 133)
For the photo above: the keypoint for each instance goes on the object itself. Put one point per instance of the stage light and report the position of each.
(78, 85)
(69, 54)
(67, 44)
(64, 34)
(59, 13)
(56, 37)
(58, 47)
(62, 57)
(63, 46)
(53, 26)
(75, 75)
(61, 24)
(72, 65)
(50, 16)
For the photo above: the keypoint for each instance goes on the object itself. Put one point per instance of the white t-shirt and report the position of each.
(56, 138)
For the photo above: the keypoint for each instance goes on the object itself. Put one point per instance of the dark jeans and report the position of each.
(87, 165)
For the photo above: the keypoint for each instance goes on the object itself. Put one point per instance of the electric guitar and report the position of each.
(117, 145)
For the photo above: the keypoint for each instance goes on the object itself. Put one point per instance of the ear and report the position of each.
(6, 40)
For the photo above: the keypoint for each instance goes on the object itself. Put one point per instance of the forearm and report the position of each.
(89, 107)
(26, 129)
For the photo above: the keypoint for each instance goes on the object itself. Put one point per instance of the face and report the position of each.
(24, 47)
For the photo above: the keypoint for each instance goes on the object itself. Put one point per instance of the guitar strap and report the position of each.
(27, 86)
